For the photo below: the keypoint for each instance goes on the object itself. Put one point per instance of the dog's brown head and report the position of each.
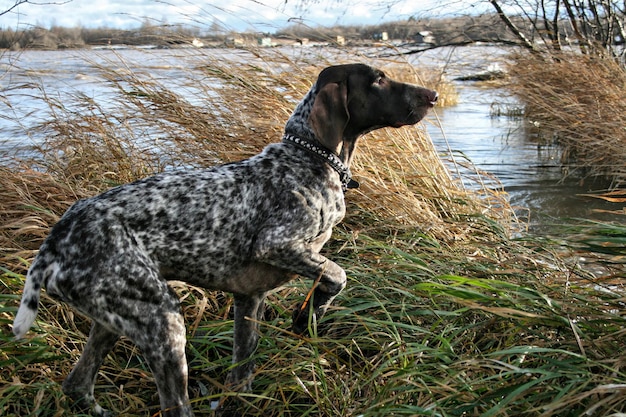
(351, 100)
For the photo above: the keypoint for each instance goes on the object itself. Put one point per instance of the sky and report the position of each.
(239, 15)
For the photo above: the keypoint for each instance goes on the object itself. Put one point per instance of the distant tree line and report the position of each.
(61, 37)
(595, 27)
(459, 30)
(444, 31)
(587, 30)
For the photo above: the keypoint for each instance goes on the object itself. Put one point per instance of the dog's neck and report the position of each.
(327, 156)
(298, 130)
(298, 123)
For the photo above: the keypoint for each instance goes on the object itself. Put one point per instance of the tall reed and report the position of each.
(577, 100)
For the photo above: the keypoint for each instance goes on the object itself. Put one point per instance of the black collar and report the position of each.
(327, 156)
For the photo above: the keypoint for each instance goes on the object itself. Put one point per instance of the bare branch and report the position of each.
(36, 3)
(17, 3)
(528, 44)
(454, 43)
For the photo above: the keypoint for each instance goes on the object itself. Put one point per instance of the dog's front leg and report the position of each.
(303, 260)
(332, 280)
(248, 311)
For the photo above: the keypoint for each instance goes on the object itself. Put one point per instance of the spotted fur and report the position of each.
(246, 227)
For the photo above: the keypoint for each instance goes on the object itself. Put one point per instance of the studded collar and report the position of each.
(327, 156)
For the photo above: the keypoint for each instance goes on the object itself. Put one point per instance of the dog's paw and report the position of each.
(300, 320)
(86, 404)
(98, 411)
(227, 407)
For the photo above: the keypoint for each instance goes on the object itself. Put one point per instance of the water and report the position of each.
(509, 148)
(528, 169)
(502, 147)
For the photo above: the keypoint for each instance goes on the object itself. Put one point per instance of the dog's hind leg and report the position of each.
(156, 325)
(163, 345)
(134, 301)
(80, 382)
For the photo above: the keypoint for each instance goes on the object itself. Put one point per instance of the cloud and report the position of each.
(232, 14)
(131, 13)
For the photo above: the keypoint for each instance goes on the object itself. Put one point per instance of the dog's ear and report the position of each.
(329, 115)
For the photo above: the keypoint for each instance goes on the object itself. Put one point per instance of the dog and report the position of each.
(246, 228)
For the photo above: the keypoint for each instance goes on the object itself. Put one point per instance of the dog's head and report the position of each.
(354, 99)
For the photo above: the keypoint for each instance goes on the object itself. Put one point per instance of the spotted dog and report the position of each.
(245, 227)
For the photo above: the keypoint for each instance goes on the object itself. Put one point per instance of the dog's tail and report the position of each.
(30, 302)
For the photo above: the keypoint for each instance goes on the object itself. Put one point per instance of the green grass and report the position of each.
(403, 339)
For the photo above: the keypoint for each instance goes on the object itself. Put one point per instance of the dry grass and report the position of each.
(443, 315)
(577, 100)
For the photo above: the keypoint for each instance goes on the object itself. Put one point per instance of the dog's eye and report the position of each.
(380, 80)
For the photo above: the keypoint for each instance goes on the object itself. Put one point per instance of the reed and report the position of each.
(444, 313)
(578, 101)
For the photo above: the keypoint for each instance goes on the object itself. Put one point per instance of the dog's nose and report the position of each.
(432, 97)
